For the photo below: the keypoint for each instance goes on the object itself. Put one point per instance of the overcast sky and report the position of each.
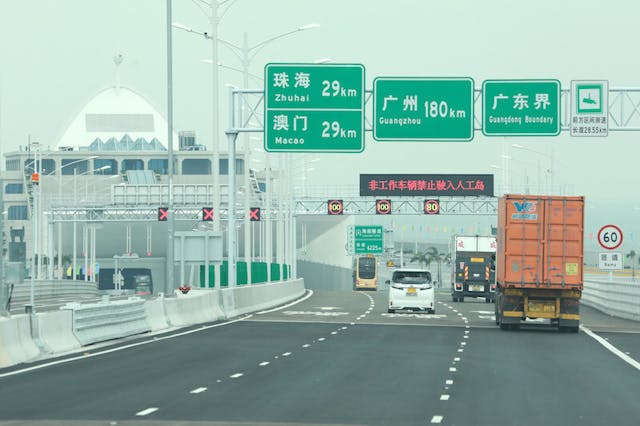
(56, 55)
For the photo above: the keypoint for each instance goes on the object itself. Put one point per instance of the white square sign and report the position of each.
(610, 261)
(589, 108)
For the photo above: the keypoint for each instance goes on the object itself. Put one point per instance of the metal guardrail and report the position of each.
(614, 298)
(97, 322)
(55, 288)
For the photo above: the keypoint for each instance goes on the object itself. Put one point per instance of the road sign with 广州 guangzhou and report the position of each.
(422, 109)
(521, 107)
(314, 108)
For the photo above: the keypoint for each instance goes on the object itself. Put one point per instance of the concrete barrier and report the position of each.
(97, 322)
(254, 298)
(16, 345)
(77, 325)
(156, 314)
(55, 331)
(196, 307)
(619, 299)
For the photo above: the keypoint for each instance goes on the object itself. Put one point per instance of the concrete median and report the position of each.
(16, 344)
(55, 330)
(254, 298)
(196, 307)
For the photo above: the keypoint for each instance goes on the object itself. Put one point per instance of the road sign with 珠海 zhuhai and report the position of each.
(314, 108)
(521, 107)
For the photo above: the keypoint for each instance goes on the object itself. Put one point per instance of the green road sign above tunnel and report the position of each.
(521, 107)
(422, 109)
(367, 239)
(314, 108)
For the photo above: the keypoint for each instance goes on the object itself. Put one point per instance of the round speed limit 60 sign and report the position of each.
(610, 237)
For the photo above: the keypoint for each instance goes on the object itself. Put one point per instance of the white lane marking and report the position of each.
(147, 411)
(295, 302)
(344, 328)
(444, 397)
(453, 369)
(466, 337)
(198, 390)
(334, 332)
(464, 318)
(437, 419)
(468, 326)
(306, 345)
(457, 359)
(120, 348)
(263, 363)
(460, 350)
(449, 382)
(352, 323)
(466, 332)
(626, 358)
(218, 381)
(235, 376)
(459, 314)
(286, 354)
(321, 339)
(463, 343)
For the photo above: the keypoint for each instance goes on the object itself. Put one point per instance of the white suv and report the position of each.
(411, 289)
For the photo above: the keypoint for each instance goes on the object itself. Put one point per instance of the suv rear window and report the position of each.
(412, 277)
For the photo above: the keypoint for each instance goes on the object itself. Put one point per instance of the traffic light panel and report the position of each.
(163, 214)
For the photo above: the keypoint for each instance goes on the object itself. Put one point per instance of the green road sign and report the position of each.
(521, 107)
(368, 239)
(422, 109)
(314, 108)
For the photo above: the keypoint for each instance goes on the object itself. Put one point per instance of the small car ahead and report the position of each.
(411, 289)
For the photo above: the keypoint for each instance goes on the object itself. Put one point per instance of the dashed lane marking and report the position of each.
(263, 363)
(147, 411)
(235, 376)
(286, 354)
(444, 397)
(198, 390)
(448, 382)
(437, 419)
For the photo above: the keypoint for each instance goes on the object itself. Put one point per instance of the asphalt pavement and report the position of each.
(338, 358)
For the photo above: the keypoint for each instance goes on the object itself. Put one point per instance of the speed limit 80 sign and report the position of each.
(610, 237)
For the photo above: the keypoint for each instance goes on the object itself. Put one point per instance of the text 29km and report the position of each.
(441, 109)
(334, 130)
(333, 88)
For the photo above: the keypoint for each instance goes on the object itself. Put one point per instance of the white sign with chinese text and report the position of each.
(589, 108)
(610, 261)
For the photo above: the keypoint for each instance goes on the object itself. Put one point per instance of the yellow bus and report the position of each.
(365, 272)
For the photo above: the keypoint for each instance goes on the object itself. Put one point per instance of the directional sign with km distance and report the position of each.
(368, 239)
(422, 109)
(314, 108)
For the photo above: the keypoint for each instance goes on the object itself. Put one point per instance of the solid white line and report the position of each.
(198, 390)
(120, 348)
(263, 363)
(444, 397)
(295, 302)
(235, 376)
(632, 362)
(147, 411)
(437, 419)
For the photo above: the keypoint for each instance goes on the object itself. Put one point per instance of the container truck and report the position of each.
(539, 260)
(473, 271)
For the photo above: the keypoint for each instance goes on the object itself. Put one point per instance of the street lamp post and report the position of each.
(548, 173)
(245, 54)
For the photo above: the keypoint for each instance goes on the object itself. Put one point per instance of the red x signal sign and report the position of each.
(254, 214)
(207, 214)
(163, 214)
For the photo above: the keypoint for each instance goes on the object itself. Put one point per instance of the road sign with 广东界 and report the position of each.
(314, 108)
(521, 107)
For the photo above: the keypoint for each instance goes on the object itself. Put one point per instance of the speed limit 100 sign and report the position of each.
(610, 237)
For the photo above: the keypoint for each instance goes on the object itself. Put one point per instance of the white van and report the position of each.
(411, 289)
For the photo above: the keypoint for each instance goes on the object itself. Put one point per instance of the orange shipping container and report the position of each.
(540, 242)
